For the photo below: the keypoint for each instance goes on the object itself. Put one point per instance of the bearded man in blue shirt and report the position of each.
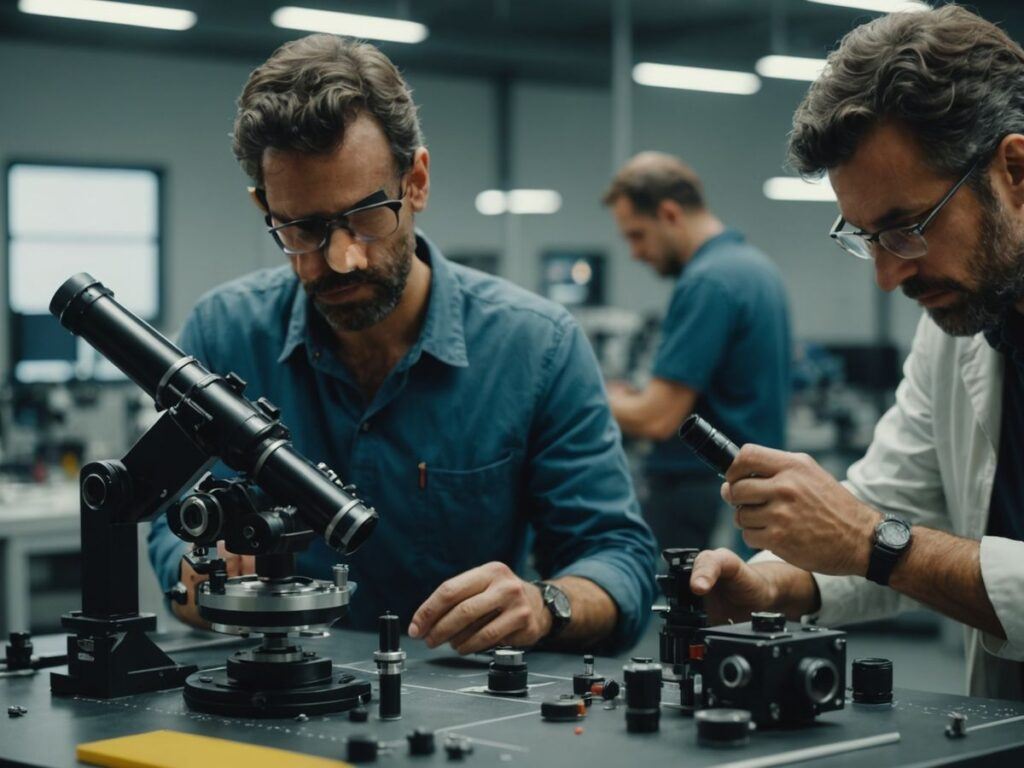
(469, 412)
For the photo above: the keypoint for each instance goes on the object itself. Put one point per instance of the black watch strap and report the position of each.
(884, 554)
(881, 565)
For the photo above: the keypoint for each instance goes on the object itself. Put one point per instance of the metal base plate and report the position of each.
(212, 691)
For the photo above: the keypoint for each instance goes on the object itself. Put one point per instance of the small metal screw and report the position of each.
(16, 711)
(773, 710)
(301, 717)
(839, 644)
(956, 728)
(205, 679)
(248, 531)
(775, 652)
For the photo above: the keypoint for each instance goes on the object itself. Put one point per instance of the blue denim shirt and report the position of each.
(501, 398)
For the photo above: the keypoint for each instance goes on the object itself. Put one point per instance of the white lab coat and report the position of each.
(933, 461)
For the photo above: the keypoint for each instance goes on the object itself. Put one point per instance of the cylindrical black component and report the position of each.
(362, 749)
(19, 651)
(872, 681)
(767, 621)
(610, 690)
(723, 727)
(247, 436)
(582, 682)
(388, 631)
(562, 709)
(390, 703)
(358, 714)
(710, 445)
(643, 695)
(507, 674)
(421, 742)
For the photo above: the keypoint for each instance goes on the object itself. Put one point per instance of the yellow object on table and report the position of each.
(173, 749)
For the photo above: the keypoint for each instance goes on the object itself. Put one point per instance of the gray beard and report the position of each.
(997, 266)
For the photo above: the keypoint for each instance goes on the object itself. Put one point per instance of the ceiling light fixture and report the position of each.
(696, 78)
(878, 6)
(789, 67)
(351, 24)
(494, 202)
(112, 13)
(793, 188)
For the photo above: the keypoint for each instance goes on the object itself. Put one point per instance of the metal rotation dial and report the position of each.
(258, 604)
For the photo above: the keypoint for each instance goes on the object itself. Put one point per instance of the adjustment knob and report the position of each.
(722, 727)
(362, 749)
(767, 621)
(270, 410)
(421, 742)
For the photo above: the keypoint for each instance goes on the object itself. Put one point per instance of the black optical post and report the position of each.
(205, 418)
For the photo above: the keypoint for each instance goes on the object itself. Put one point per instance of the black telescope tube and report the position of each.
(711, 446)
(247, 438)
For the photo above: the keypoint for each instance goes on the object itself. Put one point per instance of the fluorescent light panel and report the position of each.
(796, 188)
(789, 67)
(494, 202)
(878, 6)
(112, 13)
(351, 24)
(696, 78)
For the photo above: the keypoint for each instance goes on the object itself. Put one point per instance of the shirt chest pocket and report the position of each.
(472, 515)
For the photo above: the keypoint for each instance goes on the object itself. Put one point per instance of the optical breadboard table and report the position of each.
(444, 693)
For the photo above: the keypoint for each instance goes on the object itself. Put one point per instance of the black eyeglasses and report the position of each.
(372, 218)
(906, 242)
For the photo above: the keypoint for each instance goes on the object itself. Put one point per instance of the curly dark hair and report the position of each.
(953, 79)
(306, 93)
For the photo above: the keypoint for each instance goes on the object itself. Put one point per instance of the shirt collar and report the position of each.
(443, 335)
(727, 235)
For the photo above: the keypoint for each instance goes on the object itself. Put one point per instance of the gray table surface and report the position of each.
(438, 693)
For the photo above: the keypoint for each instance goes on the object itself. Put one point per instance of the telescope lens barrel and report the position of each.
(88, 309)
(235, 430)
(710, 445)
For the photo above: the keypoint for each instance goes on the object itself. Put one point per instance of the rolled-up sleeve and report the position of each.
(583, 507)
(1002, 570)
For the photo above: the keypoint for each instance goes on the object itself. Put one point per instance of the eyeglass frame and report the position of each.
(916, 229)
(337, 221)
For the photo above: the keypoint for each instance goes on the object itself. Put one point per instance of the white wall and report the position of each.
(174, 112)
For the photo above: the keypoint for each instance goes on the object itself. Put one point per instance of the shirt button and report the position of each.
(365, 426)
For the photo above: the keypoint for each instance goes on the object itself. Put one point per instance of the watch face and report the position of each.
(893, 533)
(561, 604)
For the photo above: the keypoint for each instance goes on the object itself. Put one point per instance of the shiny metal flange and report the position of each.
(281, 598)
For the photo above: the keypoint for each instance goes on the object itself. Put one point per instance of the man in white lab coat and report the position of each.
(918, 120)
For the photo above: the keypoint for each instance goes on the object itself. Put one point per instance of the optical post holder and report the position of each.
(205, 419)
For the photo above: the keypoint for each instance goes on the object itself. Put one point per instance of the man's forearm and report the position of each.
(943, 571)
(594, 613)
(628, 410)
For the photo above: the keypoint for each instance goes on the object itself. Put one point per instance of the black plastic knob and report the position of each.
(421, 742)
(722, 727)
(358, 714)
(362, 749)
(767, 621)
(19, 651)
(563, 709)
(872, 681)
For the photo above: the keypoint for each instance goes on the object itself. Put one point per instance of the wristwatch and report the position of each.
(892, 538)
(558, 605)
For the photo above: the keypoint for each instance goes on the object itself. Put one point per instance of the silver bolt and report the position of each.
(341, 575)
